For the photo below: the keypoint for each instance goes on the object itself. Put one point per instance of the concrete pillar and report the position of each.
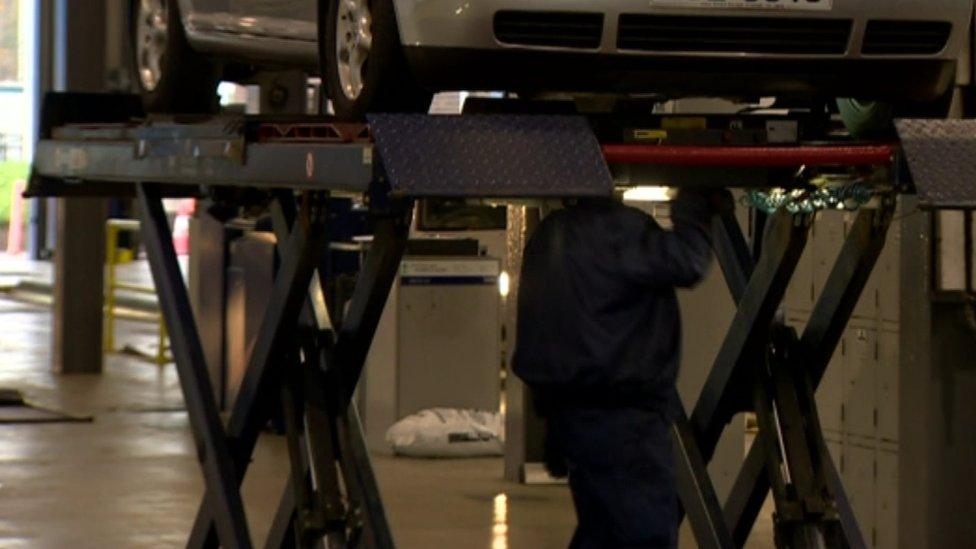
(78, 297)
(79, 53)
(524, 429)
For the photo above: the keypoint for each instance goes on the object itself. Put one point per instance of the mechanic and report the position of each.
(598, 343)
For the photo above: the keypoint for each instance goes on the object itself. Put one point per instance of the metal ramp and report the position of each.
(490, 155)
(941, 158)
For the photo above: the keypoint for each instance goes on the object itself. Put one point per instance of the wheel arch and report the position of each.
(323, 4)
(186, 12)
(185, 8)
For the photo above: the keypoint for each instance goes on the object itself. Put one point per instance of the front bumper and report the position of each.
(469, 24)
(452, 45)
(506, 69)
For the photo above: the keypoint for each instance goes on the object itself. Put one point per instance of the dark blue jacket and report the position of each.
(598, 320)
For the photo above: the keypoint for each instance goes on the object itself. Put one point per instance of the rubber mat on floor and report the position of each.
(15, 409)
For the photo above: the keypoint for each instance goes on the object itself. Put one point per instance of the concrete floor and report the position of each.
(130, 478)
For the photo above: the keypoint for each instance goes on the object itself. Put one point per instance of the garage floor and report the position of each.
(130, 479)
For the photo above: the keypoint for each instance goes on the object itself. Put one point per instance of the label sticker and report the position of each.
(800, 5)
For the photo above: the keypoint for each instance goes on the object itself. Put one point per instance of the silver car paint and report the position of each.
(468, 23)
(285, 30)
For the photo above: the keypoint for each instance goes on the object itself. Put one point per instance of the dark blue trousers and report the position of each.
(621, 474)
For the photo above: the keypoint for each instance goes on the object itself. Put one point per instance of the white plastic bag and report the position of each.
(448, 433)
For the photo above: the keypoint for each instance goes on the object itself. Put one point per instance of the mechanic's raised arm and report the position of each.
(680, 256)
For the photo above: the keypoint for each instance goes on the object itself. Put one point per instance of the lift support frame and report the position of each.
(310, 365)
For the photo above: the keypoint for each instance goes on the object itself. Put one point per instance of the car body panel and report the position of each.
(439, 35)
(270, 31)
(917, 80)
(454, 24)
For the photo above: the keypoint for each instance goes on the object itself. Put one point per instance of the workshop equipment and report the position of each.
(114, 256)
(249, 271)
(438, 344)
(763, 366)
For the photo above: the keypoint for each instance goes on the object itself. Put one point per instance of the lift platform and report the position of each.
(100, 145)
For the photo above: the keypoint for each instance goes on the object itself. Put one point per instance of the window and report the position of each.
(9, 38)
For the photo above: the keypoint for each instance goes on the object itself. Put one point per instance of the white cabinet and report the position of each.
(829, 396)
(860, 348)
(886, 504)
(858, 475)
(438, 343)
(887, 392)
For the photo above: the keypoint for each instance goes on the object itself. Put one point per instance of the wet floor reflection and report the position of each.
(131, 477)
(499, 529)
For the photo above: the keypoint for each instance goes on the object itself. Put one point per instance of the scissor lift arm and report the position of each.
(311, 363)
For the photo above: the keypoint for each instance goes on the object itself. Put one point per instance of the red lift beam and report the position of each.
(749, 157)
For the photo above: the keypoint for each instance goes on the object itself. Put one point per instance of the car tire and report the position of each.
(364, 68)
(875, 119)
(170, 76)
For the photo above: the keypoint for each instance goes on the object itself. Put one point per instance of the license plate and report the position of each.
(797, 5)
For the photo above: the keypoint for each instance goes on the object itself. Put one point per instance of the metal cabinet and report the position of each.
(887, 391)
(438, 343)
(450, 344)
(835, 447)
(800, 294)
(887, 275)
(829, 396)
(860, 356)
(885, 533)
(858, 474)
(826, 239)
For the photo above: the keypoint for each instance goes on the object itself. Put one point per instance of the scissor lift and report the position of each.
(310, 362)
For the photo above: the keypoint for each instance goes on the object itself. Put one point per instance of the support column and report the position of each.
(207, 283)
(79, 54)
(524, 429)
(78, 296)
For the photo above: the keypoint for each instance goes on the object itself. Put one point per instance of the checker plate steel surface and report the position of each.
(490, 156)
(941, 155)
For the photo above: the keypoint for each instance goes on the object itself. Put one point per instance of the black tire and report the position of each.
(188, 81)
(388, 85)
(875, 119)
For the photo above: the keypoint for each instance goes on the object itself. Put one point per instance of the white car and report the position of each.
(392, 54)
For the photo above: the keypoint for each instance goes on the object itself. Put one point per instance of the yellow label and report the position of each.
(650, 135)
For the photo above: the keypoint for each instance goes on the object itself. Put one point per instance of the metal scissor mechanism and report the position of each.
(806, 512)
(307, 358)
(764, 367)
(332, 494)
(324, 507)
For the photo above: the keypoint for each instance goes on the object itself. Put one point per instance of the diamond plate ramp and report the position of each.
(490, 156)
(941, 155)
